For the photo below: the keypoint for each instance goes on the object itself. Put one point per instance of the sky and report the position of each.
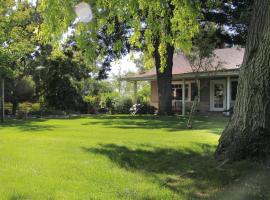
(124, 65)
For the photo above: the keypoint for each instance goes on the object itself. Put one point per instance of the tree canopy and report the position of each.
(18, 21)
(138, 23)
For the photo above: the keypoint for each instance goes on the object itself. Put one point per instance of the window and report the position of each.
(194, 91)
(178, 93)
(234, 85)
(187, 91)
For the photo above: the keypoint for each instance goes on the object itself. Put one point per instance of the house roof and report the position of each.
(230, 60)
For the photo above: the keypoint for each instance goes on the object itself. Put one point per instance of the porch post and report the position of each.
(228, 95)
(135, 87)
(183, 98)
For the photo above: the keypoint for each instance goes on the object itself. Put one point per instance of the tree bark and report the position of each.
(164, 81)
(248, 132)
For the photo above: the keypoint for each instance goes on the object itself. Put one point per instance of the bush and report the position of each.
(8, 108)
(25, 108)
(146, 108)
(123, 106)
(113, 103)
(109, 101)
(92, 104)
(50, 111)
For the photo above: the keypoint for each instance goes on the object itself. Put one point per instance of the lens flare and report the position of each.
(84, 12)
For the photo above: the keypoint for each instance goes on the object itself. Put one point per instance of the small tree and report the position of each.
(18, 21)
(202, 57)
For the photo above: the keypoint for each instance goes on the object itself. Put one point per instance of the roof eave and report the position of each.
(234, 72)
(231, 72)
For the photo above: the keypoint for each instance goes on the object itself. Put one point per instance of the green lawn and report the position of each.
(121, 157)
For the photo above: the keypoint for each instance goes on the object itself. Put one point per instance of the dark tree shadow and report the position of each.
(28, 125)
(18, 197)
(177, 166)
(172, 124)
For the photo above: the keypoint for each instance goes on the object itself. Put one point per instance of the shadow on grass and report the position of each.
(214, 125)
(18, 197)
(28, 125)
(186, 172)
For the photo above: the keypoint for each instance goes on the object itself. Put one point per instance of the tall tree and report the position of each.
(155, 27)
(248, 132)
(18, 21)
(231, 17)
(59, 78)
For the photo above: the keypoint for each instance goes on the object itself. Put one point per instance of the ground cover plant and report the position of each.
(122, 157)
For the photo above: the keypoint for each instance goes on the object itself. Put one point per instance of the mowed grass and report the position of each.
(122, 157)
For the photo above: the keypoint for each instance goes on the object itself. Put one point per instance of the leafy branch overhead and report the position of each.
(136, 24)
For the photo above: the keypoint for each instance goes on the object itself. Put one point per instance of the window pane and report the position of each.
(218, 95)
(194, 91)
(234, 90)
(186, 91)
(179, 94)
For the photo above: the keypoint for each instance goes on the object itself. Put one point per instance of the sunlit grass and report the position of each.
(121, 157)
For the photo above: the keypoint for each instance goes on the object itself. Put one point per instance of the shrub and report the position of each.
(109, 101)
(146, 108)
(8, 108)
(123, 105)
(49, 111)
(35, 107)
(92, 103)
(25, 107)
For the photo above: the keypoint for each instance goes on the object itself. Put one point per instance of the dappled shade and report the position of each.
(185, 171)
(171, 124)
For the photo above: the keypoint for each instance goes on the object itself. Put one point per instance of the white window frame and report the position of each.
(189, 88)
(212, 82)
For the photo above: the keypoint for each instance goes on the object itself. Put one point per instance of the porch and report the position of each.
(217, 94)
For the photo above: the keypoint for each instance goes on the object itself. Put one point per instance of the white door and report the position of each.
(218, 95)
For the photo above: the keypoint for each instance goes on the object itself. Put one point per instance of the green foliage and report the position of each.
(144, 93)
(233, 14)
(90, 100)
(171, 22)
(146, 108)
(123, 105)
(93, 87)
(19, 89)
(57, 16)
(116, 103)
(25, 107)
(8, 108)
(60, 78)
(92, 103)
(18, 22)
(109, 101)
(202, 54)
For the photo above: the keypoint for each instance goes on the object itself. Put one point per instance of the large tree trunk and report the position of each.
(248, 132)
(164, 81)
